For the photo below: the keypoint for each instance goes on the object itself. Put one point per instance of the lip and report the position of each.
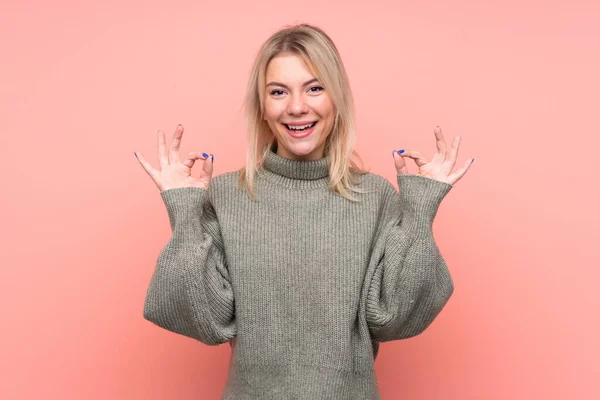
(296, 123)
(300, 135)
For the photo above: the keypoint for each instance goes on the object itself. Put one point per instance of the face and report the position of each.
(298, 110)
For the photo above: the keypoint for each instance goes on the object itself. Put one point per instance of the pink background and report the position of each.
(84, 86)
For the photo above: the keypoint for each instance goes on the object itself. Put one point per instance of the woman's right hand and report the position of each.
(175, 173)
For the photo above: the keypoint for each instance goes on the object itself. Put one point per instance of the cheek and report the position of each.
(324, 107)
(273, 110)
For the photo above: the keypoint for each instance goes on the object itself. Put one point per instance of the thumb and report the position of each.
(399, 163)
(207, 168)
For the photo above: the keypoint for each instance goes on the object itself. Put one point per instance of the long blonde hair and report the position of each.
(320, 54)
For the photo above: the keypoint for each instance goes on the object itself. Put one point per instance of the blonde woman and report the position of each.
(302, 260)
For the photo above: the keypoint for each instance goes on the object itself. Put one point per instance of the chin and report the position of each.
(301, 149)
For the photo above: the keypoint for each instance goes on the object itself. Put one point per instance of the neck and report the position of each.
(296, 173)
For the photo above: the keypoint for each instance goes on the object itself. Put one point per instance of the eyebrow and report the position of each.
(281, 84)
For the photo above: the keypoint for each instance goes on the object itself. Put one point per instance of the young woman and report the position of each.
(303, 261)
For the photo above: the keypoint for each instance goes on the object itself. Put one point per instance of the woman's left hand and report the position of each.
(440, 167)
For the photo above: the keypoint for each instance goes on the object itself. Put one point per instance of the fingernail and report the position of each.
(473, 160)
(393, 151)
(400, 151)
(212, 158)
(135, 154)
(204, 155)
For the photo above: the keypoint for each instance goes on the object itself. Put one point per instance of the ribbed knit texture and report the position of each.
(306, 281)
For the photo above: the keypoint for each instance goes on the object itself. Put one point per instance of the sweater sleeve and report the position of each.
(411, 283)
(190, 292)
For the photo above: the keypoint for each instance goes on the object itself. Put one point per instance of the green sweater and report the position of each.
(305, 281)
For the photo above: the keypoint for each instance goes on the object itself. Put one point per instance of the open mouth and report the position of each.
(299, 128)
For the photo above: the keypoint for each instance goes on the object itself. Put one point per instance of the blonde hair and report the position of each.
(320, 54)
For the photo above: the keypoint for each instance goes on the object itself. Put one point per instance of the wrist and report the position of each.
(420, 197)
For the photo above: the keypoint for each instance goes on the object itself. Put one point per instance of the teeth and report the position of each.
(299, 127)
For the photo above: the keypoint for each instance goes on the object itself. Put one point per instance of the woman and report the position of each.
(303, 261)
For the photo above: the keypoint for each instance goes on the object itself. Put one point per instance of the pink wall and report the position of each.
(84, 86)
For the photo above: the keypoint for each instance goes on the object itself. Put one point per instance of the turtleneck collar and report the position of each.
(296, 173)
(296, 169)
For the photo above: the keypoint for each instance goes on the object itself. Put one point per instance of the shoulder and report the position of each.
(376, 182)
(225, 186)
(226, 179)
(382, 198)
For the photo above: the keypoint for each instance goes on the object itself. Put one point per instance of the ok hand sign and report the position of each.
(173, 172)
(441, 165)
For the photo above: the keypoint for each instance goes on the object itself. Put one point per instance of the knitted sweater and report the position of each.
(303, 283)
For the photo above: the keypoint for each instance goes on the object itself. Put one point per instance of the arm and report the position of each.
(410, 284)
(190, 292)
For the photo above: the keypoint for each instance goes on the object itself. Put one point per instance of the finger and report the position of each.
(192, 157)
(440, 142)
(207, 168)
(399, 163)
(146, 165)
(452, 154)
(455, 177)
(416, 156)
(175, 142)
(162, 145)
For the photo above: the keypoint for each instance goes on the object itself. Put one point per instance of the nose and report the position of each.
(297, 105)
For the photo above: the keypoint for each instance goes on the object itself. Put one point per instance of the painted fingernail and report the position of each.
(135, 154)
(393, 151)
(204, 155)
(212, 158)
(473, 160)
(400, 151)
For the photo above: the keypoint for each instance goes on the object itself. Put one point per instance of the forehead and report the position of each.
(289, 67)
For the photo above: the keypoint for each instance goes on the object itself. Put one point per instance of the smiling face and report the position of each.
(298, 110)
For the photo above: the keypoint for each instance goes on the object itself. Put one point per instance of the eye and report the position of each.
(316, 87)
(275, 92)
